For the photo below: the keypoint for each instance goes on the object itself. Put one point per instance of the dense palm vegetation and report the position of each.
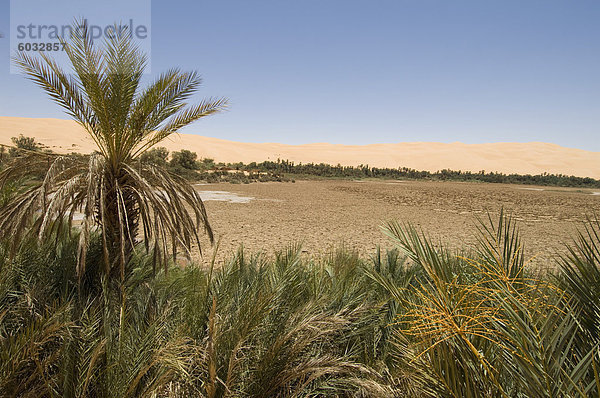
(419, 320)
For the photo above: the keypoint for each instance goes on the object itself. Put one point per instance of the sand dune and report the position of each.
(65, 136)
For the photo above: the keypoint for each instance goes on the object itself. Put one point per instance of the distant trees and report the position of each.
(184, 159)
(365, 171)
(156, 156)
(186, 164)
(208, 163)
(27, 143)
(181, 161)
(24, 143)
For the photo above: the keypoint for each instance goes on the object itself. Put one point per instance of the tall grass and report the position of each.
(418, 320)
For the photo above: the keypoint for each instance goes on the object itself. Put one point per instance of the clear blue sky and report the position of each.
(359, 72)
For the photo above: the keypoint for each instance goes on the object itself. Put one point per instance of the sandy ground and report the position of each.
(66, 136)
(326, 214)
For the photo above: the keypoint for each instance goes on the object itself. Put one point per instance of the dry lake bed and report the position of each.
(327, 214)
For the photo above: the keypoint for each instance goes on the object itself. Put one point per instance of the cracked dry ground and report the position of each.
(327, 214)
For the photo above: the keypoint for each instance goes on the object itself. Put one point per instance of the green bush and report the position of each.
(25, 144)
(184, 159)
(156, 156)
(208, 164)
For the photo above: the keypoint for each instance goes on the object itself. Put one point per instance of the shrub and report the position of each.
(24, 143)
(184, 159)
(208, 163)
(156, 156)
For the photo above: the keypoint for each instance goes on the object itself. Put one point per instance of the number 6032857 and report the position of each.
(40, 46)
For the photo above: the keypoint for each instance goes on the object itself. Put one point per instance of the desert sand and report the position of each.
(65, 136)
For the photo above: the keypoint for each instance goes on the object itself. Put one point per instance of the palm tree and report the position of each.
(119, 196)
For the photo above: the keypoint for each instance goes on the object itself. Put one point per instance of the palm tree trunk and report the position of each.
(120, 223)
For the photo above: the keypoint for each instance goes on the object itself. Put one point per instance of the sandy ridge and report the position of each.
(66, 136)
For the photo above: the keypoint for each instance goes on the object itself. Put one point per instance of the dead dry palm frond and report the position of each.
(116, 193)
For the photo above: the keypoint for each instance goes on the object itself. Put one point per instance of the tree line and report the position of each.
(365, 171)
(187, 164)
